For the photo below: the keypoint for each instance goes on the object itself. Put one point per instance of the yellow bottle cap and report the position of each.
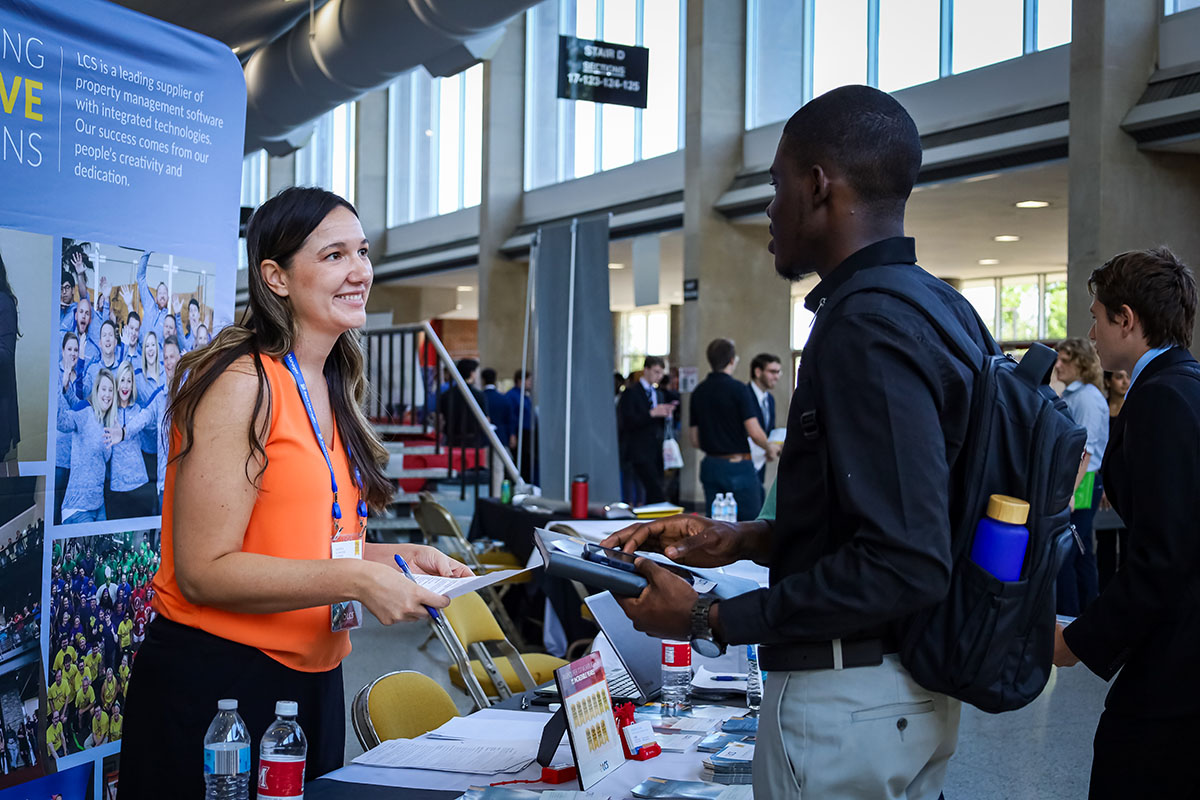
(1003, 508)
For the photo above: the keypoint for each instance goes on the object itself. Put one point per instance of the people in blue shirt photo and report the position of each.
(108, 358)
(69, 370)
(93, 428)
(129, 492)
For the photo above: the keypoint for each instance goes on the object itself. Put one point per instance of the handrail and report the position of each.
(498, 448)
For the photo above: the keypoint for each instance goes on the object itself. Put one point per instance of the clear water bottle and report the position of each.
(227, 755)
(718, 507)
(730, 508)
(754, 681)
(281, 756)
(676, 675)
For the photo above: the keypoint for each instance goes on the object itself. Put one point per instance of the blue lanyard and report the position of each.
(293, 367)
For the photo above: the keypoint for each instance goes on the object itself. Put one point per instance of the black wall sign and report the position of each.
(691, 289)
(602, 72)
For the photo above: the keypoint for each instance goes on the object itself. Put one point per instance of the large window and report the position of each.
(328, 158)
(567, 139)
(254, 190)
(435, 144)
(1021, 308)
(643, 333)
(799, 49)
(1175, 6)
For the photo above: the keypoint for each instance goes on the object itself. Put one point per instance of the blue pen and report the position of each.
(728, 678)
(404, 568)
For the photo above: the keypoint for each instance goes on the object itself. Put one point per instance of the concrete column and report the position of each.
(502, 282)
(371, 166)
(740, 296)
(281, 173)
(1121, 198)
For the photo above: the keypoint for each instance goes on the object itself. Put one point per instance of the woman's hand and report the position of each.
(392, 597)
(426, 560)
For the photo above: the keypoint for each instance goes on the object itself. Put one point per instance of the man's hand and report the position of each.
(662, 410)
(177, 304)
(688, 539)
(773, 450)
(664, 608)
(1063, 657)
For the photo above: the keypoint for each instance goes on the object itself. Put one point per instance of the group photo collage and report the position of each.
(90, 337)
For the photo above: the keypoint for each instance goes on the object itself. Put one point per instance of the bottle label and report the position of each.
(226, 759)
(280, 777)
(676, 654)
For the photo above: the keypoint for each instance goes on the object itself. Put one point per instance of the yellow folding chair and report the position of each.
(399, 705)
(473, 631)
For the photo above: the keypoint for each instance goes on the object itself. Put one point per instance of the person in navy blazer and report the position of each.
(765, 370)
(1146, 623)
(499, 409)
(641, 428)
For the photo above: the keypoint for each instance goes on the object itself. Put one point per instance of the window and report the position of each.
(799, 49)
(909, 41)
(1175, 6)
(643, 333)
(802, 321)
(567, 139)
(435, 144)
(328, 158)
(1023, 308)
(254, 191)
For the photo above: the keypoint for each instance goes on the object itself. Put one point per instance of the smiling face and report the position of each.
(160, 296)
(125, 386)
(71, 351)
(150, 347)
(108, 340)
(170, 358)
(83, 315)
(329, 278)
(202, 337)
(104, 399)
(134, 325)
(168, 325)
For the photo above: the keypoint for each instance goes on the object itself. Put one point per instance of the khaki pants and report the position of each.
(861, 732)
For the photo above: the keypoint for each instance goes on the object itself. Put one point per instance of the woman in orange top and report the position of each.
(258, 545)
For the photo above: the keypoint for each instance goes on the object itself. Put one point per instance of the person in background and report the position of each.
(94, 429)
(170, 327)
(723, 420)
(641, 428)
(187, 339)
(1079, 368)
(10, 331)
(131, 337)
(525, 427)
(1144, 628)
(498, 409)
(765, 370)
(459, 424)
(149, 378)
(1112, 544)
(66, 301)
(249, 592)
(108, 359)
(154, 305)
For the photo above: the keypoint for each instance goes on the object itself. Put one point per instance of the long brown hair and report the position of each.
(277, 231)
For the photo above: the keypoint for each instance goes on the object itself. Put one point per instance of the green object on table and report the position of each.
(1083, 495)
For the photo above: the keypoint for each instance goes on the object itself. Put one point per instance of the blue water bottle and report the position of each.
(1001, 537)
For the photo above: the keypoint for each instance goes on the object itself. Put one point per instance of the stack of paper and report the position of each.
(477, 757)
(731, 765)
(657, 510)
(716, 742)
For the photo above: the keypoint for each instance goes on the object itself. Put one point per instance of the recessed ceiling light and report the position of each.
(1006, 237)
(1032, 204)
(615, 265)
(988, 262)
(466, 288)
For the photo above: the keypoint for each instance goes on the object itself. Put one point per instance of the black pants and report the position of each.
(650, 475)
(1136, 757)
(179, 675)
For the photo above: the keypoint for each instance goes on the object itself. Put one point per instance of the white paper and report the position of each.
(479, 757)
(678, 742)
(517, 725)
(453, 587)
(707, 679)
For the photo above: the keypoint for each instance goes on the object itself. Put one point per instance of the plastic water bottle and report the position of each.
(676, 675)
(1001, 537)
(754, 682)
(718, 507)
(227, 755)
(730, 508)
(281, 756)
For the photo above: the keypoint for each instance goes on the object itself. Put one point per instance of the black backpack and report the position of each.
(988, 642)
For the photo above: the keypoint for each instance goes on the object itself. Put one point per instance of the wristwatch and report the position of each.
(703, 639)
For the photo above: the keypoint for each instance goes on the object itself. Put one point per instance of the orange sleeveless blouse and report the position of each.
(291, 519)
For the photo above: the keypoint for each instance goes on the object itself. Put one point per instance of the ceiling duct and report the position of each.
(349, 47)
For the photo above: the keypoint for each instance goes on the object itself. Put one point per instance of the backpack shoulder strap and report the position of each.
(892, 280)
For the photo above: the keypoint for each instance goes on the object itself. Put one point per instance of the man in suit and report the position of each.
(1146, 622)
(640, 428)
(765, 370)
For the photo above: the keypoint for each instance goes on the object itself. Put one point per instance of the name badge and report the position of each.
(348, 614)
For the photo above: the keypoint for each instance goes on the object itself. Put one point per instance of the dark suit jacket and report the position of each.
(1146, 623)
(767, 423)
(639, 435)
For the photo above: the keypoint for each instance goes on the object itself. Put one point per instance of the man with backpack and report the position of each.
(867, 485)
(1146, 622)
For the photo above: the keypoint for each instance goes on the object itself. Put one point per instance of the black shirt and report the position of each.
(861, 538)
(720, 407)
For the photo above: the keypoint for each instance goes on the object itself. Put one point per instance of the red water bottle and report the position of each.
(579, 497)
